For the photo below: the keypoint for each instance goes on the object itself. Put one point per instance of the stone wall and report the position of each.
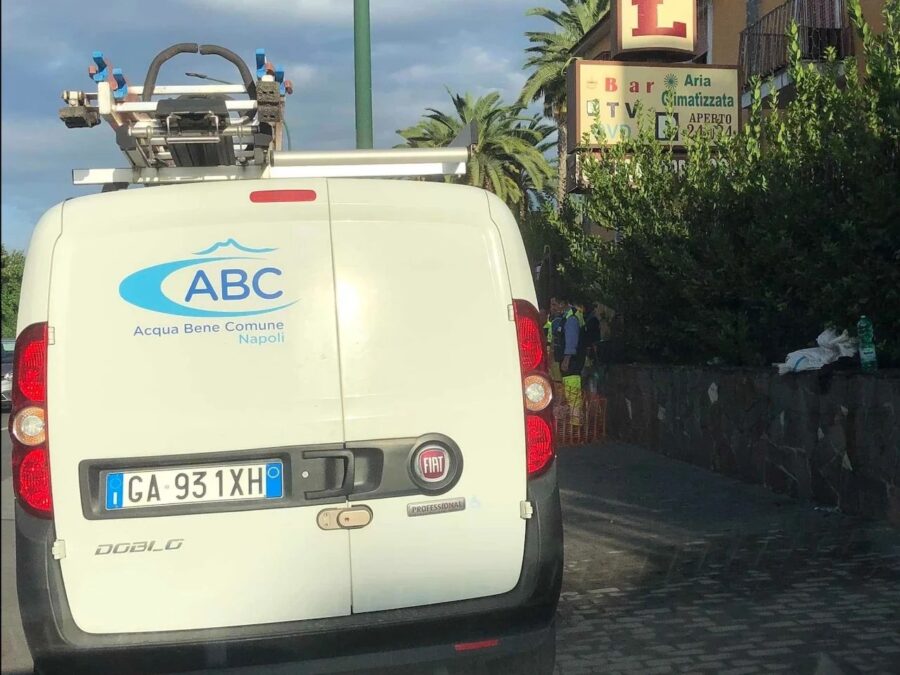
(830, 437)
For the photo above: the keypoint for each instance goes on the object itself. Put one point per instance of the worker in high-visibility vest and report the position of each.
(572, 361)
(548, 326)
(555, 340)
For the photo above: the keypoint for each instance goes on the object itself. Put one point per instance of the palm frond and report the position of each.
(509, 157)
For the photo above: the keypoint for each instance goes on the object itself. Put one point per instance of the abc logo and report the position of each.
(234, 284)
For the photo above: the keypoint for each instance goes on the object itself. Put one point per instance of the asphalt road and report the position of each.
(670, 568)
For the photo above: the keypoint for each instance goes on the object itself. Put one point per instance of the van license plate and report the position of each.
(190, 485)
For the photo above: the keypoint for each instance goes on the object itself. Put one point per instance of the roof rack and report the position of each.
(204, 133)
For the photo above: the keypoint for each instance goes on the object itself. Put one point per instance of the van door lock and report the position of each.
(351, 518)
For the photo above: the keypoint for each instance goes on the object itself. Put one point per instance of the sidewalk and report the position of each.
(671, 568)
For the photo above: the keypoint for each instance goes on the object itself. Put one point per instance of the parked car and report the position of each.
(382, 492)
(6, 373)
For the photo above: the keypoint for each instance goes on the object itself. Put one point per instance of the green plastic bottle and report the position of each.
(866, 334)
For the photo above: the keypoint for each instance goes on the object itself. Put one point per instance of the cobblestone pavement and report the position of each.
(671, 568)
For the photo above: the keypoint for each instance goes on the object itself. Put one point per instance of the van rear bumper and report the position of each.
(521, 618)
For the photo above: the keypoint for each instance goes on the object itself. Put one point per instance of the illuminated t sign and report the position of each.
(656, 26)
(648, 21)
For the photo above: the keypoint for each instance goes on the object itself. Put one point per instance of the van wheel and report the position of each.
(538, 661)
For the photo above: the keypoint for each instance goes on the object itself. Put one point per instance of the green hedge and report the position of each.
(12, 264)
(766, 237)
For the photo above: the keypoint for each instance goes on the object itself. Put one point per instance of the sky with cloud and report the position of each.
(419, 49)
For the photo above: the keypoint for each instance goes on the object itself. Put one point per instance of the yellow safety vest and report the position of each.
(577, 313)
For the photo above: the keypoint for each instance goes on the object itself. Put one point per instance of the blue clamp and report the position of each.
(260, 63)
(102, 71)
(279, 78)
(121, 90)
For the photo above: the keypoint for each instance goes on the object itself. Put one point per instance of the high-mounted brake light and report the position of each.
(537, 390)
(272, 196)
(28, 422)
(472, 646)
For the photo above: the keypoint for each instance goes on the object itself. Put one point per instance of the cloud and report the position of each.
(18, 221)
(36, 145)
(473, 68)
(419, 47)
(62, 55)
(38, 156)
(417, 83)
(333, 12)
(315, 11)
(301, 74)
(408, 76)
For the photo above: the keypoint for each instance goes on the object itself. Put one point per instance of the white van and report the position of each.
(285, 420)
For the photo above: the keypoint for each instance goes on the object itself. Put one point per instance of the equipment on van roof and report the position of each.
(202, 132)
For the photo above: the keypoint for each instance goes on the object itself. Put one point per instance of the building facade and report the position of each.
(750, 34)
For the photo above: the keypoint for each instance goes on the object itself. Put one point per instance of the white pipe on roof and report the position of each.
(367, 157)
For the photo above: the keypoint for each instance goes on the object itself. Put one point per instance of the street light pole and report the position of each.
(362, 62)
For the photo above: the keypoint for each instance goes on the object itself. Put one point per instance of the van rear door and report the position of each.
(428, 347)
(194, 329)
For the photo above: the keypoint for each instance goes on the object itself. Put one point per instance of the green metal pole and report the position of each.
(362, 62)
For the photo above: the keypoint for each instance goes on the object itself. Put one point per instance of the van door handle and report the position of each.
(346, 487)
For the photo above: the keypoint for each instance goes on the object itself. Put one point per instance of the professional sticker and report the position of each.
(436, 507)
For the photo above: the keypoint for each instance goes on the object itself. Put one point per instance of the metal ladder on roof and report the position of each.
(211, 132)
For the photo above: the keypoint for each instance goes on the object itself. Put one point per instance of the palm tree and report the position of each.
(549, 57)
(508, 158)
(540, 131)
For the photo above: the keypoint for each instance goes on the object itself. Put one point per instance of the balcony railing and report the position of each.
(821, 24)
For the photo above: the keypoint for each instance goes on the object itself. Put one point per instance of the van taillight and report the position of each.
(33, 481)
(531, 343)
(28, 422)
(537, 390)
(539, 441)
(31, 364)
